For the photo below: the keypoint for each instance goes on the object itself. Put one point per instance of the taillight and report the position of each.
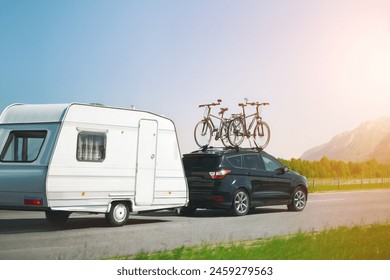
(32, 201)
(219, 174)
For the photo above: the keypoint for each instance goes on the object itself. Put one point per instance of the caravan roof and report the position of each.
(20, 113)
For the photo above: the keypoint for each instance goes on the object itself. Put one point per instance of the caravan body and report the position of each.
(84, 158)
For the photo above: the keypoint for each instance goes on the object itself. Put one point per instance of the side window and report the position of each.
(235, 161)
(271, 164)
(253, 162)
(91, 146)
(23, 146)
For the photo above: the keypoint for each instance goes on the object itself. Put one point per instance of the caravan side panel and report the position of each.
(171, 186)
(86, 185)
(76, 184)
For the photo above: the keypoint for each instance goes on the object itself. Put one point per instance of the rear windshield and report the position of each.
(201, 162)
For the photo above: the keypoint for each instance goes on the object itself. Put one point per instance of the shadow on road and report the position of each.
(214, 213)
(15, 226)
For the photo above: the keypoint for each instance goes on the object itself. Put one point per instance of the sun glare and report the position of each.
(380, 68)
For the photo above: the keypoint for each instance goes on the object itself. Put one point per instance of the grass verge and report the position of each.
(343, 243)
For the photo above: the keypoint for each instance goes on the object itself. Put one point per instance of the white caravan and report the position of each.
(64, 158)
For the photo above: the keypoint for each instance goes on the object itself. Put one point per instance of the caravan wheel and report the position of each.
(119, 214)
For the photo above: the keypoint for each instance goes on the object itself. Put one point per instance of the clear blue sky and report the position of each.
(323, 65)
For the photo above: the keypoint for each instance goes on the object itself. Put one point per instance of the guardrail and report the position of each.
(314, 184)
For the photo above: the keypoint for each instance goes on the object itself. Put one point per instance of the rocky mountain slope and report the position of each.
(371, 140)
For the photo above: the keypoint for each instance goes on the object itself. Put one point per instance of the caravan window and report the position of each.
(23, 146)
(91, 146)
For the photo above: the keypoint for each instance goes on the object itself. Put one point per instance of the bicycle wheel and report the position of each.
(202, 133)
(224, 134)
(236, 132)
(261, 135)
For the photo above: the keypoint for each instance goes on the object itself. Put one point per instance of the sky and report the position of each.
(324, 66)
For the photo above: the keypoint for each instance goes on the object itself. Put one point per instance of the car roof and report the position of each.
(225, 151)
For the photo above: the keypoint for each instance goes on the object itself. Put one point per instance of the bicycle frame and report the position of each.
(222, 120)
(244, 117)
(249, 126)
(208, 126)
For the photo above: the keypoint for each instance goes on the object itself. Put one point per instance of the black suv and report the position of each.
(241, 179)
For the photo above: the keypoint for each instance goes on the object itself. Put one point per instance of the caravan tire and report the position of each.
(118, 215)
(57, 218)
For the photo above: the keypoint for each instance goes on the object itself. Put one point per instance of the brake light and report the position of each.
(219, 174)
(34, 202)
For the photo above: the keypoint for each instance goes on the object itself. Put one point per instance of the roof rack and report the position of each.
(236, 148)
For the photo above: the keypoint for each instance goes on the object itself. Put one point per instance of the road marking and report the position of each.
(325, 200)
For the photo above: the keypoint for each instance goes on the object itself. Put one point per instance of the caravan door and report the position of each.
(146, 162)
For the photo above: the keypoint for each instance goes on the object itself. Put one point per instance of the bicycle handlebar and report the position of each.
(212, 104)
(253, 104)
(258, 104)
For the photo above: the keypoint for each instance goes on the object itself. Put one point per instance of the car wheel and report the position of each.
(298, 202)
(240, 205)
(118, 215)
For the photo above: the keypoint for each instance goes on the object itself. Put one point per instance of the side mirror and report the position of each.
(282, 170)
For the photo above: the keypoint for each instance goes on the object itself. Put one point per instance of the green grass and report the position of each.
(325, 188)
(343, 243)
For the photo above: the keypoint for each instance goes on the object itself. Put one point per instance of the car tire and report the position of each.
(240, 203)
(118, 215)
(298, 201)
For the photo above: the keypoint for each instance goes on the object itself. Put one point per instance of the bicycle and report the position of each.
(205, 129)
(257, 129)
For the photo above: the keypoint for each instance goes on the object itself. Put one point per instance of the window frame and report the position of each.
(91, 133)
(25, 135)
(232, 164)
(260, 162)
(273, 160)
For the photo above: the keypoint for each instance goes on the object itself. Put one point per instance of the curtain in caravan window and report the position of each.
(91, 146)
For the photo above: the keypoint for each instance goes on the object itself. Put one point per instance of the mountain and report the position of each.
(370, 140)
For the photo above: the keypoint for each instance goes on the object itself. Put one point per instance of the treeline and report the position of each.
(326, 168)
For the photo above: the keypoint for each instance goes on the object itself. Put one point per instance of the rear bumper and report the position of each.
(211, 201)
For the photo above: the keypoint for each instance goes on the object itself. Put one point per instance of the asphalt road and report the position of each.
(26, 235)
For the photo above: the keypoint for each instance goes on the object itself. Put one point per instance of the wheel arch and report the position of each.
(128, 202)
(303, 187)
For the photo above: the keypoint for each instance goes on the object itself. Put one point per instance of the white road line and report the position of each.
(325, 200)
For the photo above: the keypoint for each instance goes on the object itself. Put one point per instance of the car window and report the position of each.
(235, 161)
(252, 162)
(270, 163)
(201, 162)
